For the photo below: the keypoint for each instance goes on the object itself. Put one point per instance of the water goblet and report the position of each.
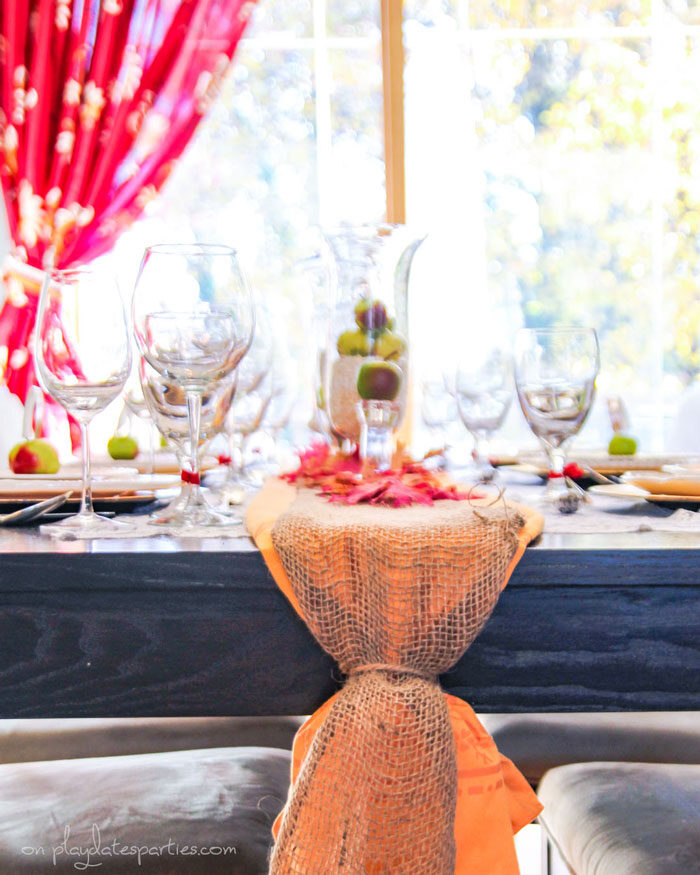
(82, 354)
(555, 374)
(438, 409)
(484, 390)
(193, 321)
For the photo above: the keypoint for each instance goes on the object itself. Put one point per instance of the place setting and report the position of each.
(187, 350)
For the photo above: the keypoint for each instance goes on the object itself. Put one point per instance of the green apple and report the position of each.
(390, 345)
(622, 445)
(379, 381)
(122, 447)
(371, 315)
(33, 457)
(353, 343)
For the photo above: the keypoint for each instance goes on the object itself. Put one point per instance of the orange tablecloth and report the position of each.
(494, 801)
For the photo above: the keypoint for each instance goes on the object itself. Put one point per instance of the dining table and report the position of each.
(177, 626)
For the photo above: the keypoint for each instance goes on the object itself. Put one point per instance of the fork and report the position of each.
(25, 514)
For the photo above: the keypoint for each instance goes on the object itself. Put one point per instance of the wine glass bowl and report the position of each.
(192, 348)
(555, 374)
(82, 355)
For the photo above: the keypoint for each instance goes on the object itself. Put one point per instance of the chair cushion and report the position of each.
(624, 818)
(31, 740)
(538, 742)
(215, 800)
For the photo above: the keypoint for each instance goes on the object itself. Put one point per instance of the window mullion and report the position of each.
(322, 90)
(393, 73)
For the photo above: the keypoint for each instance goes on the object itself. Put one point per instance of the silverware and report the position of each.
(34, 510)
(598, 477)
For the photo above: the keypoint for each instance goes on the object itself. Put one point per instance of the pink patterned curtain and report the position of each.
(98, 100)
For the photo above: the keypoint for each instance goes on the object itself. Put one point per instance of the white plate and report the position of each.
(627, 492)
(685, 485)
(34, 485)
(164, 462)
(74, 471)
(534, 461)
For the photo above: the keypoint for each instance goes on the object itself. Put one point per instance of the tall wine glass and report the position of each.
(555, 374)
(193, 323)
(82, 353)
(250, 377)
(167, 406)
(484, 389)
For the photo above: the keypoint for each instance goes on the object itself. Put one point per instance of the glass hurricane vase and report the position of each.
(368, 270)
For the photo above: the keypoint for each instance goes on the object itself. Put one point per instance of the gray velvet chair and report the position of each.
(620, 790)
(624, 818)
(164, 785)
(194, 811)
(31, 740)
(539, 742)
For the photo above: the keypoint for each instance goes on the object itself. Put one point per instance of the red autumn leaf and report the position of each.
(451, 493)
(348, 480)
(397, 494)
(363, 492)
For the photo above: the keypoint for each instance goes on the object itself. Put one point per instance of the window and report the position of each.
(295, 140)
(552, 152)
(560, 143)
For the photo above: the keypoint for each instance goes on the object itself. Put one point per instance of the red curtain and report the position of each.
(98, 100)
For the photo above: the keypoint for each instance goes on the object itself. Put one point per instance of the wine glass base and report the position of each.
(190, 509)
(555, 491)
(236, 487)
(476, 473)
(82, 525)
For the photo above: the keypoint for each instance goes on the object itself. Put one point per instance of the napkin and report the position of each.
(493, 799)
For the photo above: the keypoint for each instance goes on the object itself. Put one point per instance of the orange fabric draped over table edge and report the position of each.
(494, 800)
(97, 102)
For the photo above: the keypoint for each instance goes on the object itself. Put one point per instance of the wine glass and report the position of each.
(251, 378)
(134, 408)
(246, 418)
(193, 321)
(82, 353)
(167, 405)
(438, 407)
(484, 389)
(555, 374)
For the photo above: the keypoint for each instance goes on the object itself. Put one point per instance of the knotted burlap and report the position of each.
(396, 596)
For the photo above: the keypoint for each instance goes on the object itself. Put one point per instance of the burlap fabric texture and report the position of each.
(395, 596)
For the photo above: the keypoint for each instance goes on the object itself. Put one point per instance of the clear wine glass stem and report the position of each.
(556, 482)
(485, 469)
(194, 410)
(236, 452)
(557, 461)
(153, 436)
(86, 499)
(478, 449)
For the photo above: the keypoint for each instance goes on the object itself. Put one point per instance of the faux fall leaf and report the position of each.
(346, 480)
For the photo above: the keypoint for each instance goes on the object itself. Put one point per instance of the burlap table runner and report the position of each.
(386, 774)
